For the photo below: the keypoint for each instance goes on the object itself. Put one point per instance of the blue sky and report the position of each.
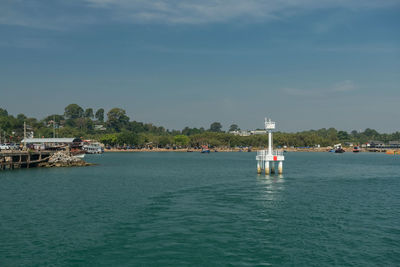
(308, 64)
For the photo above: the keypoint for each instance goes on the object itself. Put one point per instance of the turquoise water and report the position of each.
(192, 209)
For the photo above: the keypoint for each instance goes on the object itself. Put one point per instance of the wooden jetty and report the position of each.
(15, 159)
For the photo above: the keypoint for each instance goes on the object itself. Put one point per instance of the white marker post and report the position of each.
(267, 158)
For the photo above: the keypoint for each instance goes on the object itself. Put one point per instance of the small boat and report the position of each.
(339, 150)
(79, 156)
(205, 149)
(356, 149)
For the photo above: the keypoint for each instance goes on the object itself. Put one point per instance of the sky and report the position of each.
(307, 64)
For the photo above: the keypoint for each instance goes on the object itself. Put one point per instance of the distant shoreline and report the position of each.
(320, 149)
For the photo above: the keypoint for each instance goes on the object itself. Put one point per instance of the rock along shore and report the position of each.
(64, 159)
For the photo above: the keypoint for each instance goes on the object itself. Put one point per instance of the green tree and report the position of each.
(84, 124)
(71, 123)
(3, 112)
(371, 133)
(100, 114)
(57, 118)
(127, 138)
(332, 135)
(69, 132)
(136, 127)
(21, 117)
(181, 140)
(215, 127)
(192, 131)
(5, 123)
(73, 111)
(89, 113)
(117, 119)
(234, 127)
(164, 141)
(343, 136)
(109, 139)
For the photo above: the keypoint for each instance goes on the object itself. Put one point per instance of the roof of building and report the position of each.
(258, 132)
(376, 142)
(51, 140)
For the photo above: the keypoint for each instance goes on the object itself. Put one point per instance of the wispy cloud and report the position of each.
(53, 15)
(339, 87)
(58, 13)
(205, 51)
(361, 47)
(300, 92)
(211, 11)
(344, 86)
(34, 43)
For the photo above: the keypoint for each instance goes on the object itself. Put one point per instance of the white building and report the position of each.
(248, 133)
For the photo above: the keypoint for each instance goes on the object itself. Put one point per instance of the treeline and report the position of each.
(115, 128)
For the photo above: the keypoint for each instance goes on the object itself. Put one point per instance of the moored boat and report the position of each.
(92, 147)
(205, 149)
(339, 150)
(79, 156)
(356, 149)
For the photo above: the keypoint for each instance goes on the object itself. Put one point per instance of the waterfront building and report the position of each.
(52, 143)
(100, 127)
(376, 144)
(394, 144)
(248, 133)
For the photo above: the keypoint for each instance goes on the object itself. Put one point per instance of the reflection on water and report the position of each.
(270, 176)
(273, 186)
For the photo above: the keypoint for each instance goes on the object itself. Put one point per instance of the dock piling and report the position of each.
(267, 169)
(16, 159)
(280, 167)
(272, 167)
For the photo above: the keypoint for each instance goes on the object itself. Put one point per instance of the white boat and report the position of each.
(92, 148)
(79, 156)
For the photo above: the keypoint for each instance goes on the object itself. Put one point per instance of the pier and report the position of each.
(266, 158)
(15, 159)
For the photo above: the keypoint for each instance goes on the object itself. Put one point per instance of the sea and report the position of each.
(193, 209)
